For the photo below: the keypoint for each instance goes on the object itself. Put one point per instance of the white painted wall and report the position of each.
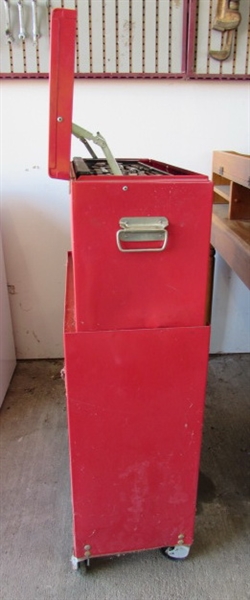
(7, 348)
(180, 122)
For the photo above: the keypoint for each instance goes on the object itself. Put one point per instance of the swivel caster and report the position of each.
(76, 562)
(176, 552)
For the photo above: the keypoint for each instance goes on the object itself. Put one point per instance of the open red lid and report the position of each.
(62, 59)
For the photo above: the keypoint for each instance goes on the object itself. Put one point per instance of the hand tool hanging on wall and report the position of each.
(8, 33)
(35, 32)
(227, 15)
(22, 34)
(227, 19)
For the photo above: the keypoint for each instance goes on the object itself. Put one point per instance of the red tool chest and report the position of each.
(123, 290)
(135, 338)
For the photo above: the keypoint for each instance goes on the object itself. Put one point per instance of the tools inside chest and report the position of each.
(127, 167)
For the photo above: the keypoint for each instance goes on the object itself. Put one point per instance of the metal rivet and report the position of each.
(87, 547)
(59, 119)
(180, 542)
(125, 188)
(181, 536)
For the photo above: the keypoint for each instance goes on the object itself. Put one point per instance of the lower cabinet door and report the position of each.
(135, 403)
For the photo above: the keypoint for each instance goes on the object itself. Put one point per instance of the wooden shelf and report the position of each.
(231, 238)
(223, 191)
(231, 178)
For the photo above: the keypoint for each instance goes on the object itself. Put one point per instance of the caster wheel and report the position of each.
(75, 563)
(176, 552)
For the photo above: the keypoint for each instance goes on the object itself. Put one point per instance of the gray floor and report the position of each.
(36, 510)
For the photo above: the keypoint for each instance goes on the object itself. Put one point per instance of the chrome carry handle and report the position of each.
(140, 230)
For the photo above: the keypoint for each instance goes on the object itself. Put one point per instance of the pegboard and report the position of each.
(24, 37)
(129, 37)
(114, 37)
(124, 38)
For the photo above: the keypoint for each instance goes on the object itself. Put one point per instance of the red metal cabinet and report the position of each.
(135, 340)
(135, 412)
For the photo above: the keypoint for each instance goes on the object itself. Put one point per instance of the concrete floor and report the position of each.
(36, 510)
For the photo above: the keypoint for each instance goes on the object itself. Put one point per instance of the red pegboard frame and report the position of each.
(193, 48)
(188, 58)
